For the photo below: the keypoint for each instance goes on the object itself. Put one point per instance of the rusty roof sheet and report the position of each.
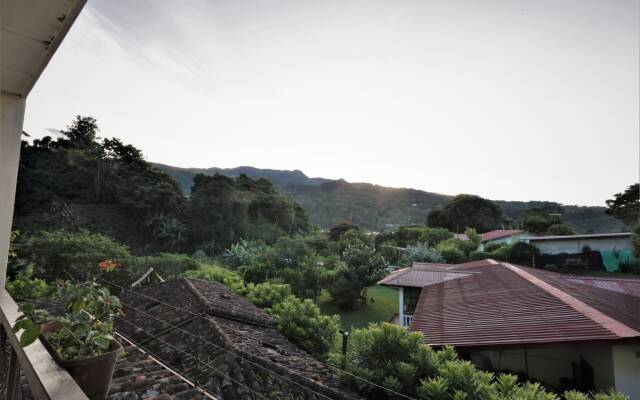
(420, 276)
(506, 304)
(625, 286)
(498, 234)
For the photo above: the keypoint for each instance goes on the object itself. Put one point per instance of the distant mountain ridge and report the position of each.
(374, 207)
(184, 176)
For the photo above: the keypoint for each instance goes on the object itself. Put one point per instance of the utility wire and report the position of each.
(190, 356)
(176, 327)
(257, 339)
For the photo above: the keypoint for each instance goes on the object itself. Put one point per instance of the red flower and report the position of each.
(108, 265)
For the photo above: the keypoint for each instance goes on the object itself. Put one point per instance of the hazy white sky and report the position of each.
(513, 100)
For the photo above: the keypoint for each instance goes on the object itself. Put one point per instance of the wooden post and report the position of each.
(401, 306)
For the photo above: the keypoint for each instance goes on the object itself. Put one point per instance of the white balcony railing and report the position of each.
(46, 379)
(406, 320)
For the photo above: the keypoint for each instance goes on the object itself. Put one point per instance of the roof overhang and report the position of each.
(578, 237)
(31, 31)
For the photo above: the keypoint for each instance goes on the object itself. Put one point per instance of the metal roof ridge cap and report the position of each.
(597, 316)
(394, 275)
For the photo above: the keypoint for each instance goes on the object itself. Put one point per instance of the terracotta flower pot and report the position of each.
(93, 374)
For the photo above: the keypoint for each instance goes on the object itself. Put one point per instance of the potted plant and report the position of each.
(79, 339)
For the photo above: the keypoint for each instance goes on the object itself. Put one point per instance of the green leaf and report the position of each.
(30, 334)
(102, 341)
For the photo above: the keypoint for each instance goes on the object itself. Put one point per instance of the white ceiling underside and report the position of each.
(31, 31)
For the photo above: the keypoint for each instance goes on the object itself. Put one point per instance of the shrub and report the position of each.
(220, 274)
(267, 294)
(167, 265)
(491, 247)
(245, 252)
(523, 253)
(560, 230)
(302, 323)
(24, 287)
(59, 254)
(479, 255)
(420, 253)
(390, 356)
(86, 328)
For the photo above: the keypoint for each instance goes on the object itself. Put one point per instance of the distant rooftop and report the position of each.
(500, 303)
(574, 237)
(498, 234)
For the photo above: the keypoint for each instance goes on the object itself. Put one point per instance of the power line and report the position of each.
(190, 356)
(257, 339)
(177, 327)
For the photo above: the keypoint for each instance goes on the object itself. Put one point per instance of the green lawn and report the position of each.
(382, 309)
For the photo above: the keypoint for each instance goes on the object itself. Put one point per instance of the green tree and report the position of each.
(60, 255)
(361, 267)
(466, 210)
(560, 230)
(302, 322)
(626, 205)
(420, 253)
(394, 359)
(337, 231)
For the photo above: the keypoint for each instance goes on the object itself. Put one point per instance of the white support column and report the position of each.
(401, 306)
(11, 119)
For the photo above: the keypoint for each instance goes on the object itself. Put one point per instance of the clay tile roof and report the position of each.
(238, 341)
(509, 304)
(498, 234)
(138, 376)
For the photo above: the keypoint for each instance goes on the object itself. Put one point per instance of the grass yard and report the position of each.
(383, 307)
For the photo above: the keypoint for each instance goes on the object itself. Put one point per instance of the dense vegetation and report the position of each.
(373, 207)
(81, 181)
(239, 231)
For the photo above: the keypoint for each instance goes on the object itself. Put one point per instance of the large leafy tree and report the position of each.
(223, 210)
(360, 267)
(466, 211)
(626, 205)
(81, 168)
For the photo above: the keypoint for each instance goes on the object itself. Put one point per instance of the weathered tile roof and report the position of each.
(138, 376)
(507, 304)
(239, 351)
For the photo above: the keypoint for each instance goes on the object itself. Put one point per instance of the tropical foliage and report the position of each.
(83, 331)
(395, 363)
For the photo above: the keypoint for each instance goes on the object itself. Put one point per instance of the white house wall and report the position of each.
(626, 369)
(550, 364)
(574, 246)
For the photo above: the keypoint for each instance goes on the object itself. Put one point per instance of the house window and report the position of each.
(411, 296)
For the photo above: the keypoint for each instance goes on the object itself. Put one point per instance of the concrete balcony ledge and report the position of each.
(46, 379)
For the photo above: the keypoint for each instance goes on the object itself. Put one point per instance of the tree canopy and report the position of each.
(626, 205)
(466, 211)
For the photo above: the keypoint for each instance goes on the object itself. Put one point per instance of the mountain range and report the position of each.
(375, 207)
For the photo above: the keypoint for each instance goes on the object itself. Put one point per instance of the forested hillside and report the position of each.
(79, 181)
(329, 202)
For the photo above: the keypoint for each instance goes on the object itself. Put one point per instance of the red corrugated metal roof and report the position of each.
(498, 234)
(505, 304)
(625, 286)
(421, 276)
